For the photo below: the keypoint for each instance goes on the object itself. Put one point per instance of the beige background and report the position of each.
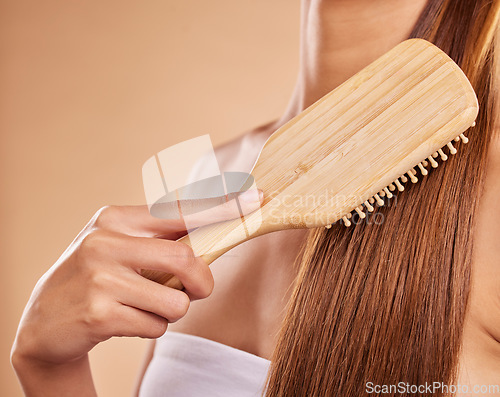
(88, 91)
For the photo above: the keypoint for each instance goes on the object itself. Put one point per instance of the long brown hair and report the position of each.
(385, 302)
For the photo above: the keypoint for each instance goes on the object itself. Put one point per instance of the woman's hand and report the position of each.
(95, 290)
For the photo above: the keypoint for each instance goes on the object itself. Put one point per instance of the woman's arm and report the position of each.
(44, 379)
(95, 291)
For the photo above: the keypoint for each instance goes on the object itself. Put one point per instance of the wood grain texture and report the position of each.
(350, 145)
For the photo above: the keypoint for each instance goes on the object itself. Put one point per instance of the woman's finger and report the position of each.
(129, 321)
(172, 219)
(139, 253)
(196, 213)
(146, 295)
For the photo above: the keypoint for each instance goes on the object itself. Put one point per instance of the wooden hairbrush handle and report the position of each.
(213, 240)
(350, 150)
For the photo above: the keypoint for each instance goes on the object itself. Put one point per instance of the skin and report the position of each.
(480, 359)
(95, 291)
(253, 280)
(332, 50)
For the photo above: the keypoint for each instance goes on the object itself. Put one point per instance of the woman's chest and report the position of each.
(253, 283)
(480, 356)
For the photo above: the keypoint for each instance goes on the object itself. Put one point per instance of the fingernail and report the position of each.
(251, 196)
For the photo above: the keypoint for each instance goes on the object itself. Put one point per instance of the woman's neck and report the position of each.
(340, 37)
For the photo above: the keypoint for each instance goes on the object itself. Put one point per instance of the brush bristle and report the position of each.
(411, 175)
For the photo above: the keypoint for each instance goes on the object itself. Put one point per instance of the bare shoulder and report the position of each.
(486, 262)
(228, 153)
(480, 361)
(240, 153)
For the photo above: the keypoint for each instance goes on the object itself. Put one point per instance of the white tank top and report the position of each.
(189, 366)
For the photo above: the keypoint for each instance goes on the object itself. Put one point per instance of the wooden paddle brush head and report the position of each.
(353, 146)
(360, 138)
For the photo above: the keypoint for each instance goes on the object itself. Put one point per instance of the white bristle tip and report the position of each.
(387, 192)
(379, 200)
(464, 138)
(452, 148)
(444, 157)
(473, 124)
(423, 171)
(413, 178)
(368, 206)
(392, 187)
(433, 162)
(399, 185)
(360, 212)
(346, 221)
(328, 226)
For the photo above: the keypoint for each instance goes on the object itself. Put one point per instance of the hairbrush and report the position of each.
(353, 147)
